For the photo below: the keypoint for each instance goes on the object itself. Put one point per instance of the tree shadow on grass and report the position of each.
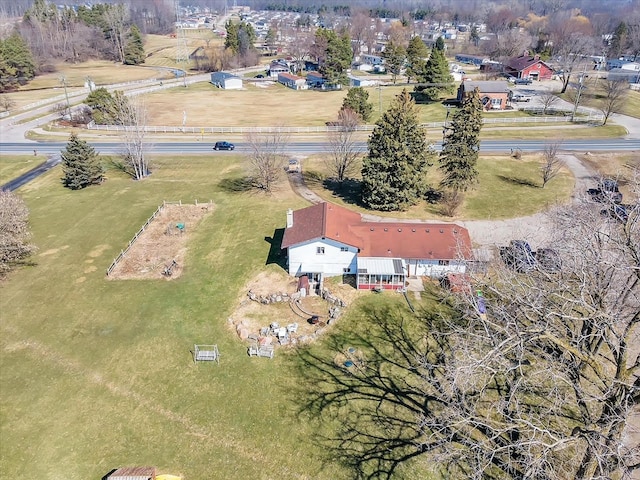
(368, 387)
(518, 181)
(236, 184)
(349, 190)
(276, 253)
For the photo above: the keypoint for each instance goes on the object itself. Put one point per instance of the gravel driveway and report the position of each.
(536, 229)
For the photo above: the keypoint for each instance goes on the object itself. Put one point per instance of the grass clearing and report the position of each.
(593, 94)
(12, 166)
(97, 374)
(507, 188)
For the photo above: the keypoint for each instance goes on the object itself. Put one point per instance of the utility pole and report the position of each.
(580, 87)
(63, 79)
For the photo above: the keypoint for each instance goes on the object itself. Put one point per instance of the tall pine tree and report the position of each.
(436, 71)
(80, 164)
(134, 49)
(417, 55)
(357, 99)
(393, 173)
(461, 146)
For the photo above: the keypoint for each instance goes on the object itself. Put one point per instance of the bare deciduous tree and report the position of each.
(14, 231)
(615, 93)
(343, 151)
(266, 157)
(548, 100)
(534, 378)
(6, 103)
(131, 113)
(551, 162)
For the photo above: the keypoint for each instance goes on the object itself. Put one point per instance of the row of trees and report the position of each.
(394, 170)
(102, 30)
(48, 33)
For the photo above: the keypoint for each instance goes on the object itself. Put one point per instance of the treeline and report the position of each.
(48, 34)
(101, 31)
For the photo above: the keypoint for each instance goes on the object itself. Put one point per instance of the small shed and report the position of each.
(355, 81)
(226, 80)
(133, 473)
(316, 79)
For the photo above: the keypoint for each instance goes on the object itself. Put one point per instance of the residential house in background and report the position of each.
(276, 68)
(293, 81)
(527, 66)
(226, 80)
(316, 80)
(494, 94)
(327, 240)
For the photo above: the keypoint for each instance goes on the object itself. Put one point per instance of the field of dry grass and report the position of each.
(275, 104)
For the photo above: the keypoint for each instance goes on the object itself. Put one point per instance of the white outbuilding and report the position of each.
(226, 80)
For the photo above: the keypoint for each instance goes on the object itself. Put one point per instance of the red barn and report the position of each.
(526, 66)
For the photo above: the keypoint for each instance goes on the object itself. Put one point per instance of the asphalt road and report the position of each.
(310, 147)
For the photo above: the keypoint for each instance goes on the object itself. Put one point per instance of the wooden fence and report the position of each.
(138, 233)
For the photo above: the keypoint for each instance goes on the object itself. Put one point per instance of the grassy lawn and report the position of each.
(12, 166)
(593, 93)
(97, 374)
(161, 50)
(516, 181)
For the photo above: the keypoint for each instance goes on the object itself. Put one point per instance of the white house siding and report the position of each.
(303, 258)
(433, 268)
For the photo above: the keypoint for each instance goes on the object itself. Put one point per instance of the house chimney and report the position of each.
(289, 218)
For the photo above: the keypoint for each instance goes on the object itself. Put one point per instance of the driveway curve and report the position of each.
(536, 228)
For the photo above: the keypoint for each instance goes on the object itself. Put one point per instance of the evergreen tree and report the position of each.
(393, 173)
(417, 55)
(103, 107)
(80, 164)
(461, 146)
(17, 65)
(394, 55)
(240, 37)
(134, 48)
(334, 54)
(436, 72)
(357, 99)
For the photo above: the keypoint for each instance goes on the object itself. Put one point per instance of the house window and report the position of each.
(443, 262)
(319, 250)
(344, 249)
(496, 102)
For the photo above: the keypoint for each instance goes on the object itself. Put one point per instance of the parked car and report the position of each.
(548, 260)
(519, 97)
(224, 146)
(617, 212)
(293, 166)
(518, 256)
(607, 191)
(523, 81)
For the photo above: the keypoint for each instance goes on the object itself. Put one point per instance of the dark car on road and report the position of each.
(224, 146)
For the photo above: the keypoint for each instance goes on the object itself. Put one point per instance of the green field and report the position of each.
(516, 181)
(12, 166)
(97, 374)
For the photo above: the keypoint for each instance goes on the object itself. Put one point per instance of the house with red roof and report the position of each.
(527, 66)
(327, 240)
